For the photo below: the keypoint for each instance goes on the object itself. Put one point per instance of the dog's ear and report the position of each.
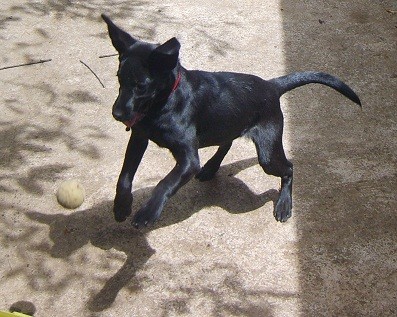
(121, 40)
(165, 57)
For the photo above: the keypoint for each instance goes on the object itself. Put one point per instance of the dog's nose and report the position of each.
(122, 107)
(118, 112)
(118, 115)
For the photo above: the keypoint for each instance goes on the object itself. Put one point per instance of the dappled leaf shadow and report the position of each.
(5, 20)
(24, 138)
(69, 233)
(74, 10)
(91, 11)
(147, 16)
(82, 96)
(14, 145)
(230, 298)
(36, 175)
(20, 142)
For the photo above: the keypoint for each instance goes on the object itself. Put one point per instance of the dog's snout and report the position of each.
(122, 108)
(118, 115)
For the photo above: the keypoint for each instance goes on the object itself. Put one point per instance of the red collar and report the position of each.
(177, 81)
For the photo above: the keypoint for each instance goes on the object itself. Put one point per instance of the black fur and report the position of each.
(184, 110)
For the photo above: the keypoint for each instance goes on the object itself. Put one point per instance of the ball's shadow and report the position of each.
(96, 225)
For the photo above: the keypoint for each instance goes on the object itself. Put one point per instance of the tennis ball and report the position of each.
(70, 194)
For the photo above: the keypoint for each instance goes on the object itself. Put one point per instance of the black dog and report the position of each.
(185, 110)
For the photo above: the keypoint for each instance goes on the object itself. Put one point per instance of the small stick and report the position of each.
(27, 64)
(9, 263)
(109, 55)
(93, 73)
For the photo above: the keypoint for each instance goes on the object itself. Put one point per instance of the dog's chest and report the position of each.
(166, 134)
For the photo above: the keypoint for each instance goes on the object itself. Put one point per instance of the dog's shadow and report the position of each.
(97, 226)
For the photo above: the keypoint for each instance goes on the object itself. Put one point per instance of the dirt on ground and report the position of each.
(217, 249)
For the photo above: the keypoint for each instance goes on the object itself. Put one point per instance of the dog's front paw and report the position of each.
(145, 216)
(283, 209)
(122, 206)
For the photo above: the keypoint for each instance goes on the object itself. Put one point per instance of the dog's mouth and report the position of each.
(136, 117)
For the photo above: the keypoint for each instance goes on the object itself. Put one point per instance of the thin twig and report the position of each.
(9, 263)
(93, 73)
(109, 55)
(27, 64)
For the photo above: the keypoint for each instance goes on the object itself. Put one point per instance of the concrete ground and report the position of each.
(217, 251)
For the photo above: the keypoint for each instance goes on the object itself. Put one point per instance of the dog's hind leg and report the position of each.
(210, 168)
(267, 137)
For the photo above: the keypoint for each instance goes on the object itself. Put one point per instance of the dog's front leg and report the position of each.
(187, 165)
(133, 155)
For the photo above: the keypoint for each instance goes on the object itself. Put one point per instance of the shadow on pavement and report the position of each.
(345, 158)
(22, 139)
(96, 225)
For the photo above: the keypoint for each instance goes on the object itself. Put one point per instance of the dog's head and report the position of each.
(147, 73)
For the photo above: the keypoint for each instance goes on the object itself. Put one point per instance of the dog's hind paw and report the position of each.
(283, 210)
(206, 174)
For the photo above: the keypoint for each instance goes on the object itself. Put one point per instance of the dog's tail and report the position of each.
(292, 81)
